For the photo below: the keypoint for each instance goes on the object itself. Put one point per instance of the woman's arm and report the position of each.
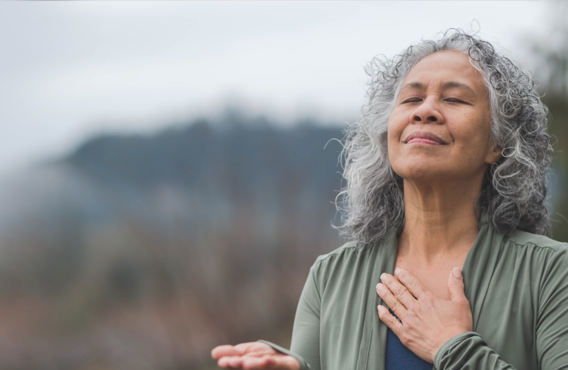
(305, 335)
(552, 319)
(304, 353)
(469, 350)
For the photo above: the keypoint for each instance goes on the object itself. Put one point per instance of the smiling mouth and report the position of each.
(422, 137)
(423, 141)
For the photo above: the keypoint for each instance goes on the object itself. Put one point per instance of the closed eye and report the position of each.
(412, 100)
(453, 100)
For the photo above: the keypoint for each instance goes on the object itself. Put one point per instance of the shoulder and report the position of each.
(547, 257)
(535, 241)
(538, 245)
(338, 259)
(347, 249)
(344, 268)
(349, 254)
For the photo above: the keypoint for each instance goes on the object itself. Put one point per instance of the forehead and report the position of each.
(443, 67)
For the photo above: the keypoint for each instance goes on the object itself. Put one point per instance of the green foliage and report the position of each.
(558, 105)
(550, 62)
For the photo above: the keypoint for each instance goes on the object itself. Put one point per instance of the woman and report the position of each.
(446, 176)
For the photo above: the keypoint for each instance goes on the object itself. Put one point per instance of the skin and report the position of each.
(253, 356)
(445, 96)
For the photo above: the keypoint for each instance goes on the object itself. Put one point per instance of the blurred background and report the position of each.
(168, 169)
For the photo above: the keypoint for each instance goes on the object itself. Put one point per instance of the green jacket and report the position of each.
(517, 287)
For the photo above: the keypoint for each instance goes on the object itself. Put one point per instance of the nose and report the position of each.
(427, 112)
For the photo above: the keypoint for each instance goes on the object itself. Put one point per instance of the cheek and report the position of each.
(472, 141)
(393, 137)
(395, 126)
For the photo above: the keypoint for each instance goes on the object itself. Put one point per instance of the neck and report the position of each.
(440, 221)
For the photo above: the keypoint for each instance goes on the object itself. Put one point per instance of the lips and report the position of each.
(423, 137)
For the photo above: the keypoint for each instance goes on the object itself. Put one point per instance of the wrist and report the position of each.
(462, 346)
(446, 339)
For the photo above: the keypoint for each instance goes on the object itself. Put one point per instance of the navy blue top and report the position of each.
(399, 357)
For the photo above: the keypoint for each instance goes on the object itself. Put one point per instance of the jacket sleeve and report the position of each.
(552, 321)
(469, 350)
(305, 335)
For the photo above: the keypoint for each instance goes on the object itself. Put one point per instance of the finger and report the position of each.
(278, 362)
(390, 320)
(456, 287)
(225, 350)
(257, 363)
(246, 362)
(241, 349)
(230, 361)
(414, 286)
(394, 304)
(229, 350)
(399, 290)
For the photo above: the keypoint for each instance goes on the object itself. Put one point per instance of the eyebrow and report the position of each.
(459, 85)
(445, 85)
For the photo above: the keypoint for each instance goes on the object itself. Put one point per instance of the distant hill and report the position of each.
(243, 161)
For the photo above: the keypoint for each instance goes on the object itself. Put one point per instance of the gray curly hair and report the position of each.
(514, 188)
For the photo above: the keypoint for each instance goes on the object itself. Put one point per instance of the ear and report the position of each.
(494, 153)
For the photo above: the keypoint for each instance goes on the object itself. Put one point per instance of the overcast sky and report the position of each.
(72, 69)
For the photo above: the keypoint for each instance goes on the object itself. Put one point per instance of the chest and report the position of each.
(502, 306)
(433, 277)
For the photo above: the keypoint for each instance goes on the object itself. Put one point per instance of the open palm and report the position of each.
(253, 356)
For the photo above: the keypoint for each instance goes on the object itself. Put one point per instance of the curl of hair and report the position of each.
(514, 188)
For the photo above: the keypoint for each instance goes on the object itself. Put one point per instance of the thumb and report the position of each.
(456, 287)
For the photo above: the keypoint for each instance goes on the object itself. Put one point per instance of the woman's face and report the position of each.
(440, 126)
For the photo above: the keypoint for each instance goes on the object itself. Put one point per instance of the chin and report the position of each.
(422, 171)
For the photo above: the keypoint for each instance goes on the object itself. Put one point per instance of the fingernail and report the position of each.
(380, 287)
(383, 277)
(457, 273)
(397, 270)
